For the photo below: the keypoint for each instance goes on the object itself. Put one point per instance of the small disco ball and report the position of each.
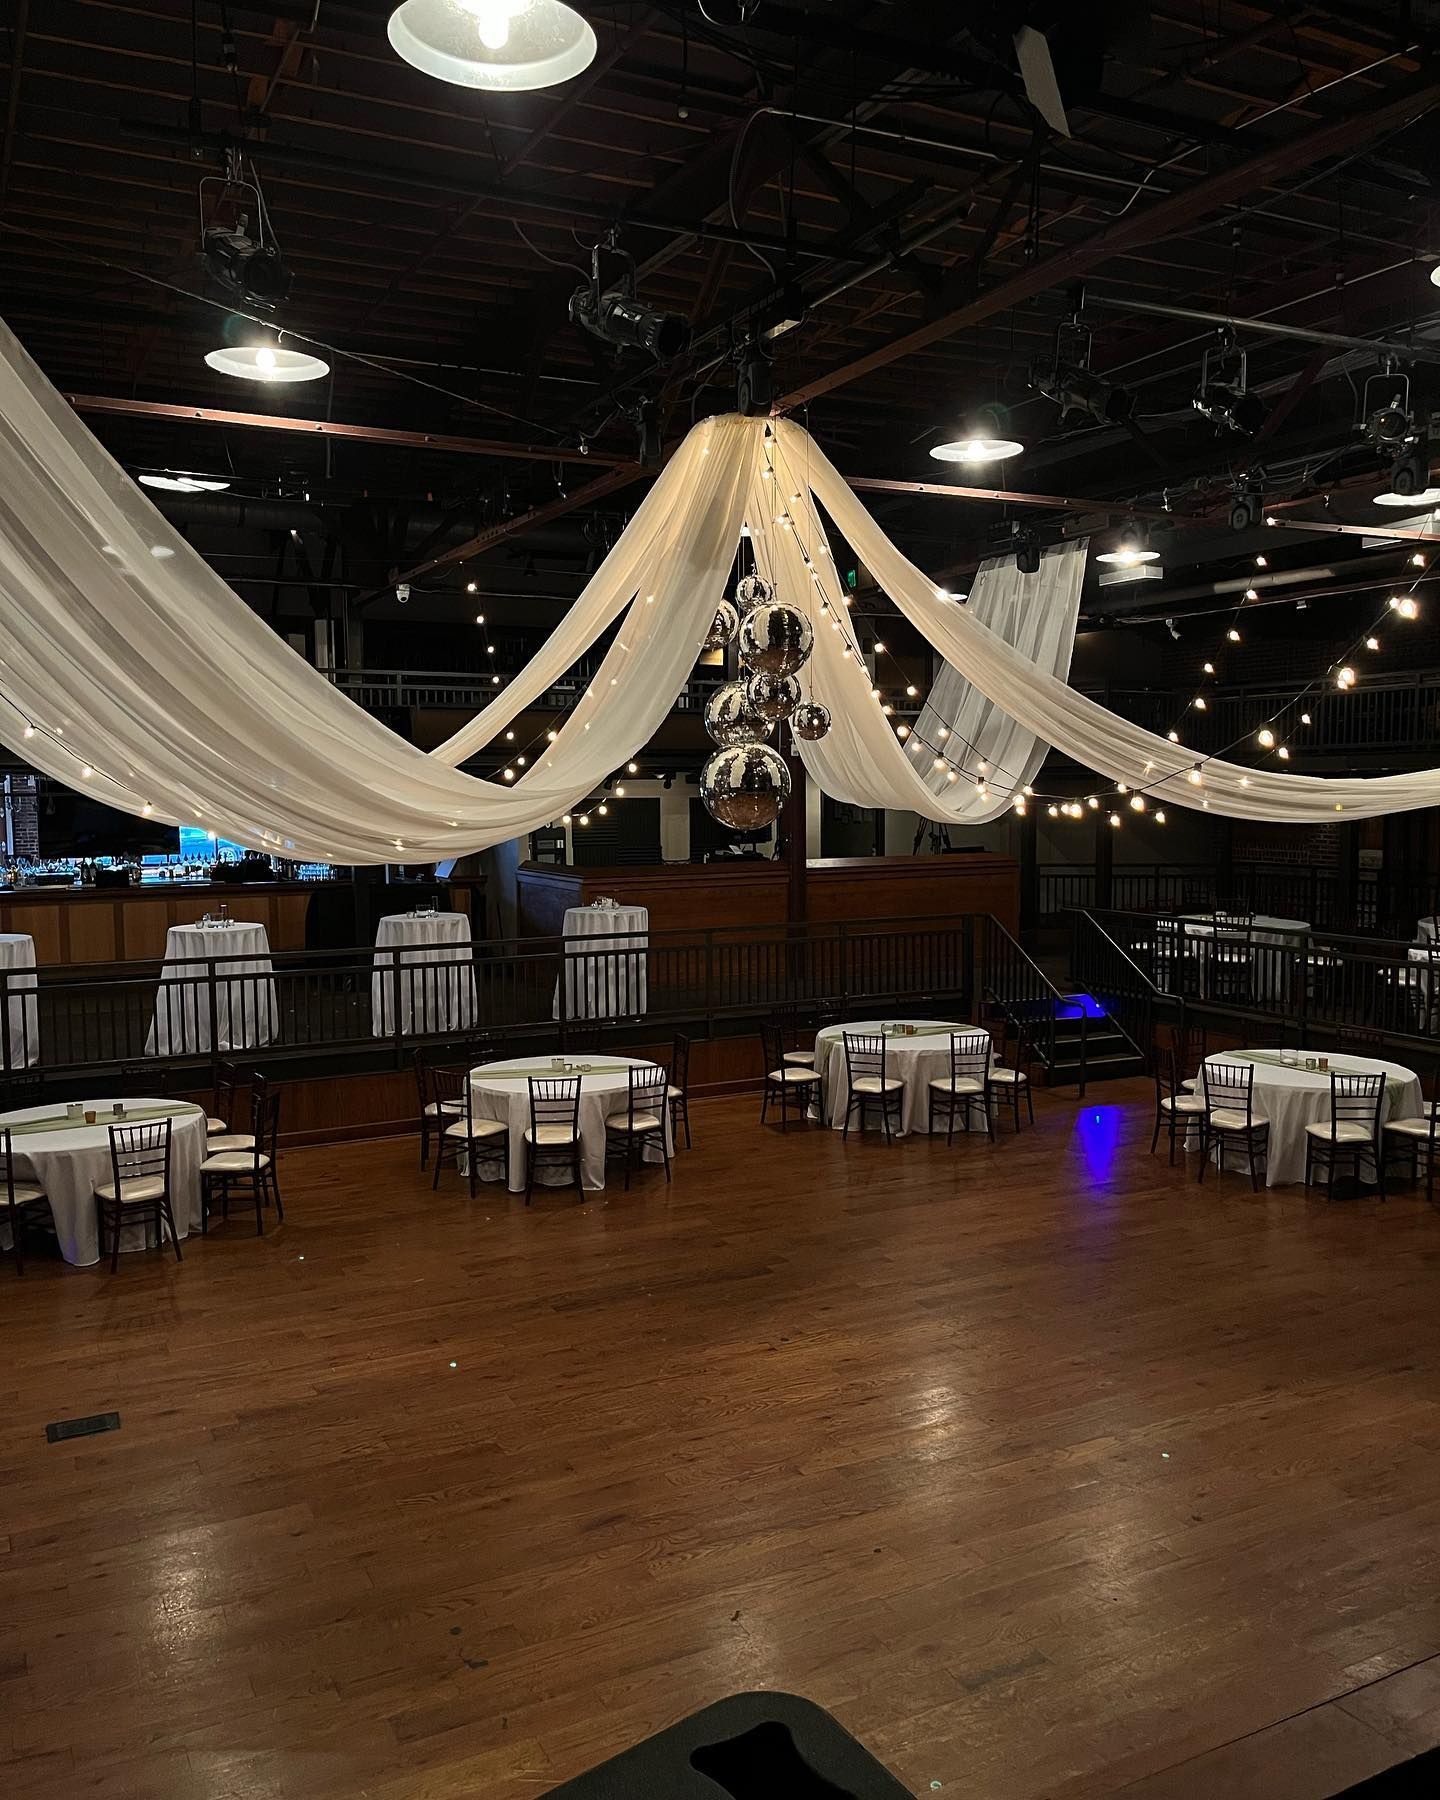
(745, 786)
(724, 626)
(730, 719)
(773, 696)
(811, 721)
(775, 639)
(750, 591)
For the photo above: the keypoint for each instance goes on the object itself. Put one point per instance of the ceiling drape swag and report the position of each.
(145, 680)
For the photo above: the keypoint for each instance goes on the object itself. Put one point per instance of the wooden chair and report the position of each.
(1352, 1131)
(1229, 1116)
(870, 1084)
(1007, 1083)
(139, 1185)
(238, 1140)
(796, 1037)
(460, 1132)
(1232, 953)
(629, 1133)
(785, 1084)
(677, 1091)
(966, 1086)
(1177, 1111)
(228, 1083)
(582, 1037)
(17, 1199)
(1188, 1047)
(1415, 1138)
(433, 1119)
(253, 1169)
(552, 1138)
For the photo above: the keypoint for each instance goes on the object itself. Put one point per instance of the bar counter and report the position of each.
(124, 924)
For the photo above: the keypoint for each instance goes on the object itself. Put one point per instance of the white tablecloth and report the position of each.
(605, 980)
(1425, 930)
(22, 1024)
(917, 1061)
(69, 1164)
(606, 1090)
(427, 963)
(244, 989)
(1291, 1099)
(1266, 932)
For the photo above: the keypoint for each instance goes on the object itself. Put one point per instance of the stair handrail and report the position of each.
(1047, 991)
(1149, 990)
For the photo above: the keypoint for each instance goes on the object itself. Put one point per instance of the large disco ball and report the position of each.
(773, 696)
(730, 719)
(811, 721)
(775, 639)
(750, 591)
(745, 786)
(723, 627)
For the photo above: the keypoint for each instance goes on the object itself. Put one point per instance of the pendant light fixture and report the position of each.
(170, 482)
(982, 440)
(1429, 496)
(1131, 548)
(267, 362)
(506, 46)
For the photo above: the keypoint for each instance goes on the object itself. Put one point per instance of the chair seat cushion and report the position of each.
(25, 1192)
(956, 1084)
(804, 1059)
(1225, 1118)
(551, 1134)
(1416, 1128)
(1001, 1073)
(235, 1140)
(477, 1128)
(1345, 1131)
(233, 1162)
(436, 1107)
(874, 1084)
(1183, 1103)
(674, 1093)
(643, 1121)
(135, 1188)
(216, 1125)
(791, 1073)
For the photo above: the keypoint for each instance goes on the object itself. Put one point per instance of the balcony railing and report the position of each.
(387, 690)
(1387, 902)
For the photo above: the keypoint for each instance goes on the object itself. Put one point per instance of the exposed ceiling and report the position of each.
(881, 158)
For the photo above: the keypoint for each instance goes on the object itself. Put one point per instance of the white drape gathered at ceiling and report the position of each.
(130, 670)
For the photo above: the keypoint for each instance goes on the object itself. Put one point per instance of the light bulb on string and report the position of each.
(1174, 736)
(1372, 643)
(1092, 801)
(1115, 819)
(1209, 668)
(1194, 776)
(1305, 718)
(1137, 803)
(1233, 635)
(1283, 753)
(1158, 817)
(1345, 678)
(1265, 737)
(1053, 811)
(1199, 703)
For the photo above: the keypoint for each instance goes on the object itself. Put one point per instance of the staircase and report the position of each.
(1075, 1038)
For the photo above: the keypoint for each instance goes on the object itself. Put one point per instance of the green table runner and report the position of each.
(1395, 1086)
(134, 1115)
(548, 1074)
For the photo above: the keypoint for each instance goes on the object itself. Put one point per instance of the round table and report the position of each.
(501, 1090)
(917, 1061)
(22, 1026)
(604, 980)
(70, 1161)
(424, 962)
(1269, 972)
(239, 981)
(1292, 1098)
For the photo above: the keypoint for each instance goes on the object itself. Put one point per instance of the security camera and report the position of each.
(402, 591)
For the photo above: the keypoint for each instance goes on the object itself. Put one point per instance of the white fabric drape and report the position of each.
(125, 654)
(129, 669)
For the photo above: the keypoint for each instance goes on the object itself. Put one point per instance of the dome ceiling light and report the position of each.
(267, 362)
(506, 46)
(172, 483)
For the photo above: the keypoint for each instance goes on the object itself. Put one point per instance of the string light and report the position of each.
(1209, 668)
(1053, 811)
(1194, 776)
(1115, 818)
(1266, 738)
(632, 768)
(1304, 718)
(902, 732)
(1199, 703)
(1137, 803)
(1345, 678)
(1092, 802)
(1372, 643)
(1159, 818)
(1283, 753)
(1233, 635)
(1174, 736)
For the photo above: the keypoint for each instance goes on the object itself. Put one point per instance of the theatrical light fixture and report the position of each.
(238, 247)
(1223, 396)
(1426, 496)
(1068, 380)
(509, 46)
(1245, 506)
(607, 307)
(1387, 420)
(183, 484)
(1131, 548)
(266, 362)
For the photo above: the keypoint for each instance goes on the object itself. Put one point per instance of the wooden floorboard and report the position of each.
(1044, 1470)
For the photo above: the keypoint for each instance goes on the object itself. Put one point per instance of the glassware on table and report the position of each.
(74, 1110)
(89, 1115)
(118, 1109)
(205, 920)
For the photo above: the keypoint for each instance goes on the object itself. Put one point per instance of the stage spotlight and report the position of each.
(1387, 419)
(1027, 553)
(1409, 477)
(1247, 508)
(607, 307)
(1223, 396)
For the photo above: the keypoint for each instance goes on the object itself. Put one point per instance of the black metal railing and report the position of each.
(341, 1003)
(1306, 982)
(1387, 903)
(1103, 967)
(1028, 1001)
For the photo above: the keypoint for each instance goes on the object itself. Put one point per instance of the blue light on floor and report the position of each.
(1077, 1004)
(1098, 1131)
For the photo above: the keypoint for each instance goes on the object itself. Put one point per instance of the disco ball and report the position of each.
(775, 639)
(730, 719)
(745, 786)
(750, 591)
(726, 623)
(811, 721)
(773, 696)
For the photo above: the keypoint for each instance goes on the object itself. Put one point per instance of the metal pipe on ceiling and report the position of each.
(1303, 334)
